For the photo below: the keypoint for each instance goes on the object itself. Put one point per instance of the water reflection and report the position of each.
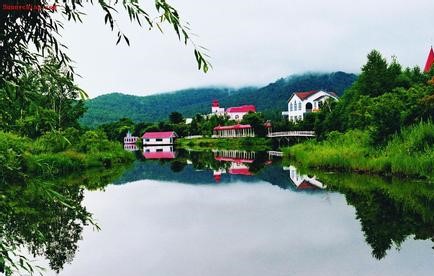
(303, 181)
(390, 210)
(45, 218)
(159, 152)
(369, 214)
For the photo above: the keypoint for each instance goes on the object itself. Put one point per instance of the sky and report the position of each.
(251, 43)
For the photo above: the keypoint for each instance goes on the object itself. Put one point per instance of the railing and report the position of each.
(292, 134)
(275, 153)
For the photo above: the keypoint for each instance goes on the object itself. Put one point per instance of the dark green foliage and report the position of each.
(384, 99)
(176, 118)
(257, 121)
(40, 101)
(271, 99)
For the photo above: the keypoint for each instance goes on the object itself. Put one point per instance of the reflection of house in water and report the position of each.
(159, 152)
(238, 162)
(303, 182)
(131, 147)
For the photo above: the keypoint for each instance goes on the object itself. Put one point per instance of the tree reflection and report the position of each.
(46, 218)
(390, 210)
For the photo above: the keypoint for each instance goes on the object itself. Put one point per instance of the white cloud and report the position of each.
(251, 42)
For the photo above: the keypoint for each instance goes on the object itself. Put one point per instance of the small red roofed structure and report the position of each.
(159, 138)
(429, 61)
(237, 130)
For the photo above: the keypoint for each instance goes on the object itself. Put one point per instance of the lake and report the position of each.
(244, 213)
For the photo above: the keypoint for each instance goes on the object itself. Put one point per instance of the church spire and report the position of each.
(429, 61)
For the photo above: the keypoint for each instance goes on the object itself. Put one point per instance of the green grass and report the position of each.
(410, 153)
(252, 143)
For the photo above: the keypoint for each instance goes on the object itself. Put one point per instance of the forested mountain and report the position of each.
(270, 99)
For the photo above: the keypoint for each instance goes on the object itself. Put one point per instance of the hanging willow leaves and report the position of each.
(23, 30)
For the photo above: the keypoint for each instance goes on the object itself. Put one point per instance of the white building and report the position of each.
(301, 103)
(159, 138)
(129, 139)
(234, 113)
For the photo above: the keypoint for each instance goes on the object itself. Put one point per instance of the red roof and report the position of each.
(243, 171)
(304, 95)
(240, 109)
(159, 135)
(238, 126)
(429, 61)
(159, 155)
(236, 160)
(215, 103)
(306, 186)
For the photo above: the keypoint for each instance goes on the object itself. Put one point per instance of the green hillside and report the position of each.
(270, 99)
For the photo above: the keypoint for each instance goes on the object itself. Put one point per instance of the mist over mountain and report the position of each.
(270, 99)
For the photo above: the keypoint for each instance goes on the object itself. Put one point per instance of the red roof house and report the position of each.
(159, 138)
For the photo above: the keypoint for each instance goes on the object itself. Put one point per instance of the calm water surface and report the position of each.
(226, 213)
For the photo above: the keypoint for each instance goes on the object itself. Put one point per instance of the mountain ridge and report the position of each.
(270, 99)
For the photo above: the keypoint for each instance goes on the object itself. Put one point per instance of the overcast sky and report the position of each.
(251, 42)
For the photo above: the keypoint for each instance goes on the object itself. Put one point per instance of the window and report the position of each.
(299, 117)
(290, 107)
(237, 117)
(299, 105)
(146, 140)
(147, 150)
(159, 140)
(159, 150)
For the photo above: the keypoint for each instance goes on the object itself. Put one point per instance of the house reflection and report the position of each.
(159, 152)
(239, 162)
(131, 147)
(303, 181)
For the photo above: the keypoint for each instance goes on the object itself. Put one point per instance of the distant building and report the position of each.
(235, 113)
(429, 61)
(234, 131)
(159, 138)
(129, 139)
(301, 103)
(159, 152)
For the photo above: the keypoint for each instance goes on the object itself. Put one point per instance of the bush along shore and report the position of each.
(409, 153)
(57, 153)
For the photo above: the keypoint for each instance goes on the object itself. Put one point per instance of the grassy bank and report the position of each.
(55, 154)
(410, 153)
(251, 144)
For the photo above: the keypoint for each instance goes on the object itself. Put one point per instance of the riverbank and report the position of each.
(250, 143)
(408, 154)
(57, 154)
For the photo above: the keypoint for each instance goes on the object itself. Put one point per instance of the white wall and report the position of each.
(165, 141)
(158, 149)
(297, 113)
(237, 116)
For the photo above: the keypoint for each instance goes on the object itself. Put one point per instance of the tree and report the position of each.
(23, 30)
(176, 118)
(257, 121)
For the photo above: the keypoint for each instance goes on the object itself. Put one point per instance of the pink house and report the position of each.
(159, 138)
